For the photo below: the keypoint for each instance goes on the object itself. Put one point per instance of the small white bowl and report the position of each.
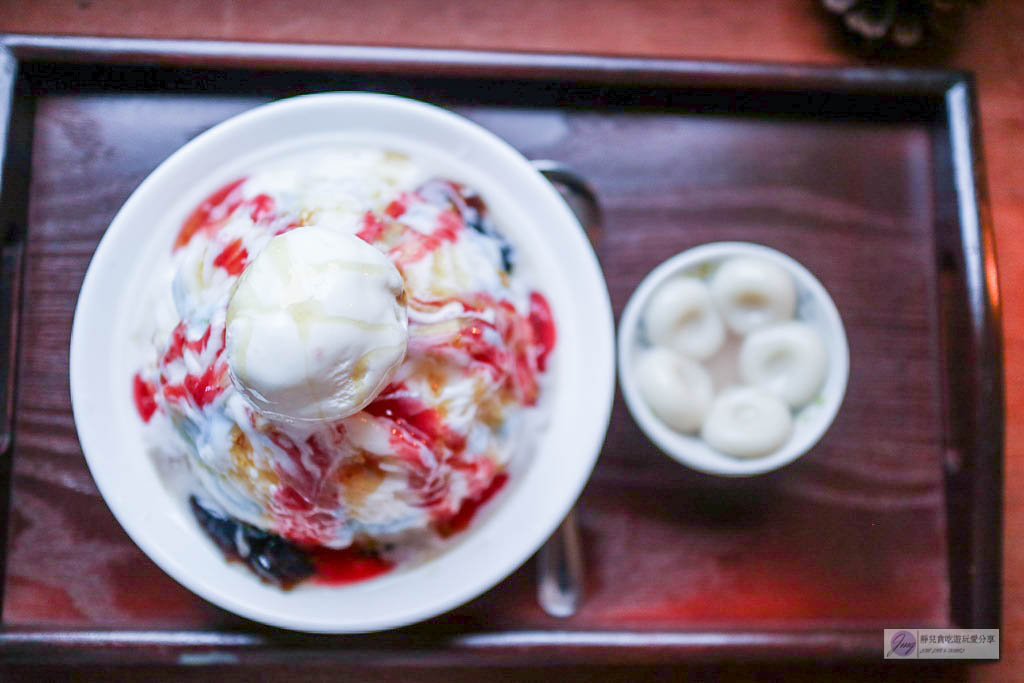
(542, 487)
(814, 307)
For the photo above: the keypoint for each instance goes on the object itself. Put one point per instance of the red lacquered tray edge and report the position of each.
(970, 325)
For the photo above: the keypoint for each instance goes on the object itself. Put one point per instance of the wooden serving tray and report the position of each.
(868, 177)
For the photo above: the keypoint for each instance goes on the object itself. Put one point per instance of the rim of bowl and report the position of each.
(685, 448)
(600, 389)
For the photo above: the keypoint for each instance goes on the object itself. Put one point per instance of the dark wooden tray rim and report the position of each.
(973, 468)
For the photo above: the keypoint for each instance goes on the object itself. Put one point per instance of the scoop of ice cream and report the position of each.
(316, 324)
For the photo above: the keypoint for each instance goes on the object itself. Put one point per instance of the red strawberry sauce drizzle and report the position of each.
(144, 393)
(355, 563)
(212, 212)
(413, 245)
(409, 245)
(525, 344)
(261, 207)
(206, 387)
(399, 206)
(180, 342)
(543, 327)
(348, 565)
(415, 420)
(373, 227)
(418, 437)
(233, 258)
(302, 503)
(461, 519)
(199, 390)
(414, 425)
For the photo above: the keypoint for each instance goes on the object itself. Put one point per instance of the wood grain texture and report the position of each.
(825, 544)
(701, 28)
(777, 30)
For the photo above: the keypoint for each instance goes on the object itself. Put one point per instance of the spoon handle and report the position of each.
(560, 572)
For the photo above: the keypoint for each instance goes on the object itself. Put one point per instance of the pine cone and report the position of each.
(902, 24)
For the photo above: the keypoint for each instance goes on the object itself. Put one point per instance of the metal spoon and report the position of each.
(560, 571)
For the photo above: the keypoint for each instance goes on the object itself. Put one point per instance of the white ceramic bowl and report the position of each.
(810, 422)
(542, 488)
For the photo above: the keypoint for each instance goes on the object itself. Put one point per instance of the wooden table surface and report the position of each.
(991, 45)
